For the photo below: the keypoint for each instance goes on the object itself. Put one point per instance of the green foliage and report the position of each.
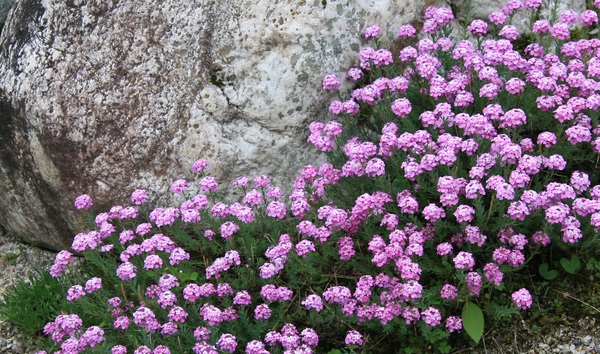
(10, 257)
(546, 273)
(473, 321)
(32, 303)
(572, 265)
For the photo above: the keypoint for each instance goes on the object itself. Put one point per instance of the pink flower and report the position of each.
(353, 74)
(200, 165)
(509, 32)
(478, 27)
(560, 31)
(83, 201)
(453, 323)
(208, 184)
(432, 317)
(407, 31)
(93, 285)
(401, 107)
(313, 302)
(179, 186)
(449, 292)
(126, 271)
(75, 292)
(331, 82)
(433, 213)
(262, 312)
(522, 298)
(354, 338)
(474, 282)
(497, 18)
(464, 260)
(139, 196)
(464, 213)
(589, 18)
(372, 32)
(153, 261)
(227, 342)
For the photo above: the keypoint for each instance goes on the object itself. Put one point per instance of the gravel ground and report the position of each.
(573, 335)
(12, 340)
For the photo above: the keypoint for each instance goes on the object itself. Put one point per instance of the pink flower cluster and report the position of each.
(68, 330)
(417, 190)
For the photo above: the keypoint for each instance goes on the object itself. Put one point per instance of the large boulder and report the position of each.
(104, 96)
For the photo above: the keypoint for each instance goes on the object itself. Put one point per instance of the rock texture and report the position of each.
(482, 8)
(102, 97)
(5, 6)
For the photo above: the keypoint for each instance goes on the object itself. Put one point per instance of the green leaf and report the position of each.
(472, 319)
(444, 348)
(571, 266)
(546, 273)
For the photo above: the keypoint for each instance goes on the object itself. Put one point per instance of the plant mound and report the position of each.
(458, 169)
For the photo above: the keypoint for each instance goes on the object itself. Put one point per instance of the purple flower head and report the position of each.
(262, 312)
(118, 349)
(227, 342)
(93, 285)
(126, 271)
(139, 196)
(464, 260)
(478, 27)
(509, 32)
(407, 31)
(449, 292)
(431, 316)
(474, 282)
(153, 261)
(372, 32)
(208, 184)
(331, 82)
(313, 302)
(261, 181)
(84, 202)
(401, 107)
(202, 333)
(179, 186)
(211, 314)
(75, 292)
(589, 18)
(354, 338)
(453, 324)
(497, 17)
(433, 213)
(464, 213)
(256, 347)
(522, 298)
(200, 165)
(353, 74)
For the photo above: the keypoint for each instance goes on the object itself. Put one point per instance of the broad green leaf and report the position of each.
(571, 266)
(547, 273)
(472, 319)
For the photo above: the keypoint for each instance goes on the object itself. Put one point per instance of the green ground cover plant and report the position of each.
(457, 168)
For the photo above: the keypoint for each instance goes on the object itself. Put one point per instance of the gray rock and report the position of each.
(5, 6)
(102, 97)
(483, 8)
